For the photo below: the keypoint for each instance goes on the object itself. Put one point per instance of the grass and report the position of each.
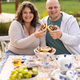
(66, 6)
(8, 7)
(40, 6)
(70, 6)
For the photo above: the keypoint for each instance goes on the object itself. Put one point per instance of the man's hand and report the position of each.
(56, 34)
(39, 33)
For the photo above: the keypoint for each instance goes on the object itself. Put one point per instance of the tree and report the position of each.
(0, 6)
(16, 5)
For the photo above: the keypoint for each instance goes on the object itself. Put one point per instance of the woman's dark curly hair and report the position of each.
(33, 9)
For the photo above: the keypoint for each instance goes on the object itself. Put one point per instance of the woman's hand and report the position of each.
(56, 34)
(39, 33)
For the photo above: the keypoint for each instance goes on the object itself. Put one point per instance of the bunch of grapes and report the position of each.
(23, 72)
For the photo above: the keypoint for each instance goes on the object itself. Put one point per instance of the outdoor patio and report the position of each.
(6, 17)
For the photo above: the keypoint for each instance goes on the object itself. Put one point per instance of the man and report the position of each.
(66, 38)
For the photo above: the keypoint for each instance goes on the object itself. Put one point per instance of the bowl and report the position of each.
(30, 78)
(72, 75)
(44, 54)
(31, 62)
(62, 75)
(78, 70)
(24, 73)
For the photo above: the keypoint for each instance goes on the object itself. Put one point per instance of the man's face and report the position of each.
(53, 10)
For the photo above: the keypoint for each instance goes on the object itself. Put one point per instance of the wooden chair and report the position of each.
(3, 40)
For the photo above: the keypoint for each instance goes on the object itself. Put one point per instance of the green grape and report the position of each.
(18, 77)
(12, 78)
(30, 72)
(20, 67)
(30, 76)
(14, 75)
(25, 67)
(25, 71)
(21, 70)
(27, 76)
(12, 72)
(20, 74)
(8, 79)
(24, 76)
(16, 69)
(35, 70)
(16, 72)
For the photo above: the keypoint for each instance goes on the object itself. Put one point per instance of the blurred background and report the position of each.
(8, 10)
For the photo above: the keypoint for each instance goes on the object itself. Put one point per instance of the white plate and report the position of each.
(33, 78)
(36, 63)
(55, 74)
(56, 77)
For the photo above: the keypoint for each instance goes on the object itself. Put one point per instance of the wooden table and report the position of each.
(43, 72)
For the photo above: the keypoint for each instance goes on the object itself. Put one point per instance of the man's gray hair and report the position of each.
(49, 0)
(52, 0)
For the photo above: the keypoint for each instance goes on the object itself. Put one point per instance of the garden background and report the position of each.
(68, 6)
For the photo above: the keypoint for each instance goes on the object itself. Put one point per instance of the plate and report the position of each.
(30, 78)
(71, 75)
(33, 63)
(55, 74)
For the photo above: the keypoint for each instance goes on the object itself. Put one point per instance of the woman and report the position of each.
(25, 34)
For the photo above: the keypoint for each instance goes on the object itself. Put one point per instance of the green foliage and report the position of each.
(8, 7)
(71, 12)
(70, 6)
(43, 15)
(21, 0)
(4, 27)
(3, 0)
(40, 7)
(31, 0)
(40, 0)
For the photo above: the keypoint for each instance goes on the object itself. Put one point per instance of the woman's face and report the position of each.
(27, 15)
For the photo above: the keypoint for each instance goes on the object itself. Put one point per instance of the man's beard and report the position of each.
(55, 17)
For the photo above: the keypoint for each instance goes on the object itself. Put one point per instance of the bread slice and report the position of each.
(43, 27)
(51, 28)
(45, 48)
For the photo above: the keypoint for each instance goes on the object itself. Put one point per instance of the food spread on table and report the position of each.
(23, 72)
(45, 49)
(10, 71)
